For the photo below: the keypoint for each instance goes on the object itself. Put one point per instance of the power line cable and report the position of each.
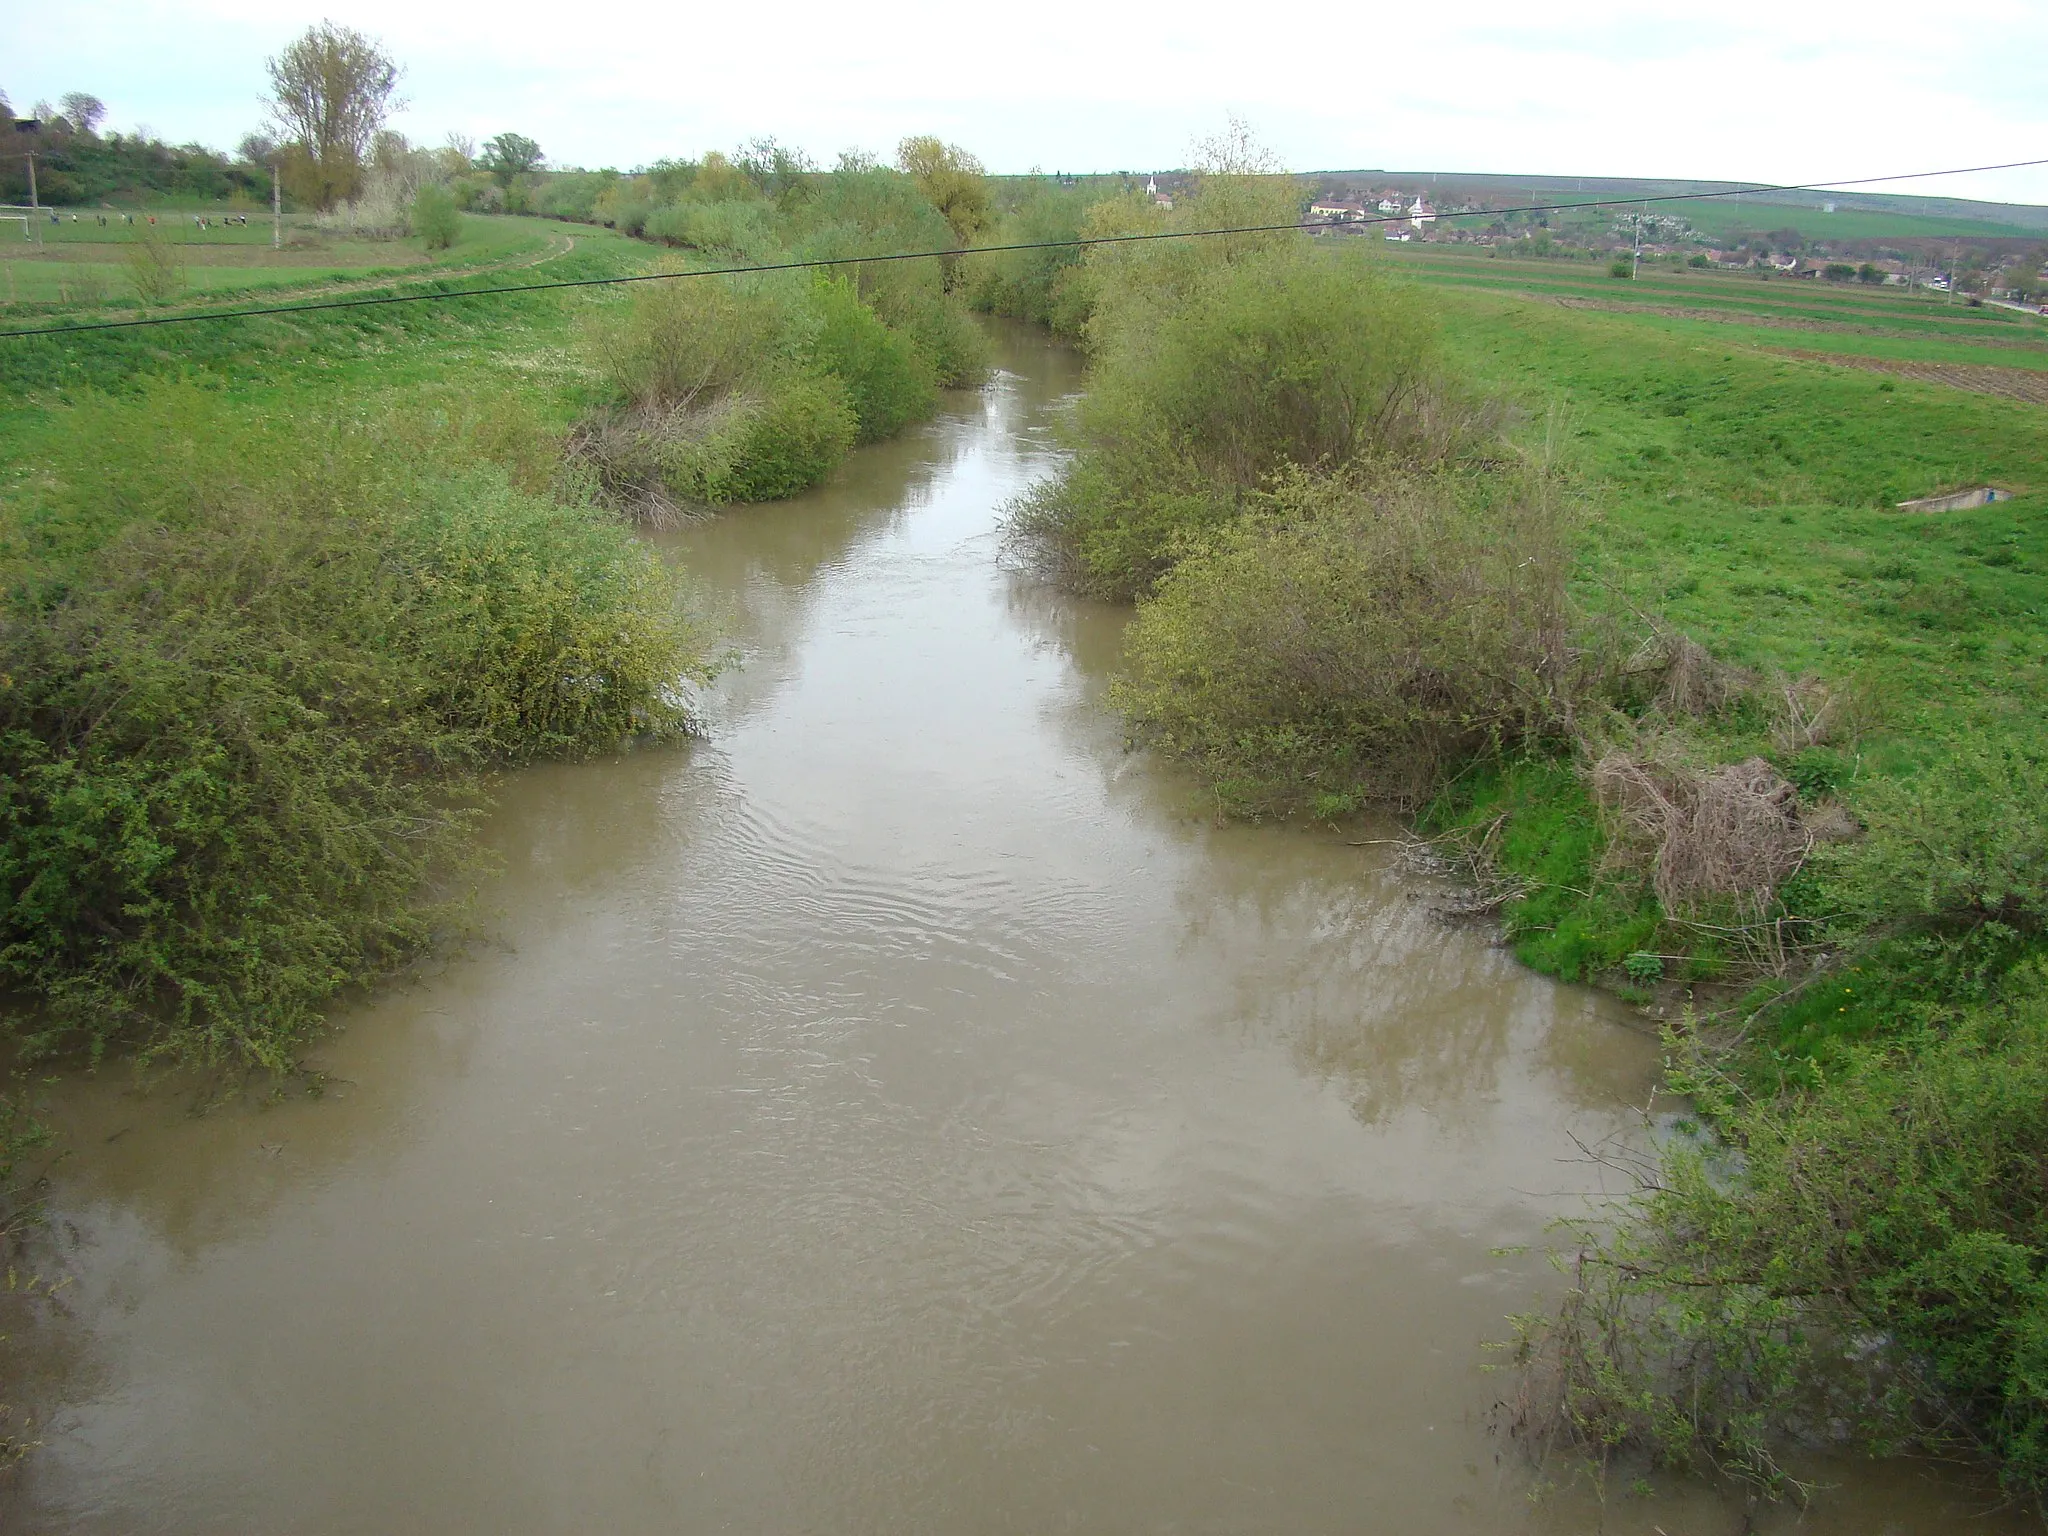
(1080, 242)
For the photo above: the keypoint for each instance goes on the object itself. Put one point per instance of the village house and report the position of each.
(1336, 211)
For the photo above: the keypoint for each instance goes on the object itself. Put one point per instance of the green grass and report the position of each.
(1722, 217)
(225, 261)
(1735, 293)
(1749, 501)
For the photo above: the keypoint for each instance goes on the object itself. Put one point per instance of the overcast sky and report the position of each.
(1784, 93)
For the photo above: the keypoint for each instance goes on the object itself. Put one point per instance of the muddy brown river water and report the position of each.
(903, 1111)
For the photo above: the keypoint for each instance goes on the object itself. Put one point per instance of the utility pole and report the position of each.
(276, 211)
(34, 212)
(1636, 270)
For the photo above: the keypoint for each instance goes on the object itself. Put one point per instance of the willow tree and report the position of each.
(951, 180)
(330, 93)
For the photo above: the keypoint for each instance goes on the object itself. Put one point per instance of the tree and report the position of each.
(509, 155)
(330, 93)
(84, 113)
(951, 180)
(434, 217)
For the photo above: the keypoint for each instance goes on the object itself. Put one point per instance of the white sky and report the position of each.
(1783, 93)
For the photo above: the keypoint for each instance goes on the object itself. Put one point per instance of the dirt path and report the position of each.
(2028, 384)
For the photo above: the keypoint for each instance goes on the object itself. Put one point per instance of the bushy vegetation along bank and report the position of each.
(277, 593)
(1709, 721)
(750, 388)
(260, 645)
(251, 671)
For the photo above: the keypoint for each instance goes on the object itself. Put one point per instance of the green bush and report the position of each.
(1045, 286)
(888, 381)
(1881, 1262)
(1280, 358)
(435, 218)
(688, 342)
(1352, 640)
(786, 443)
(1961, 844)
(728, 232)
(242, 716)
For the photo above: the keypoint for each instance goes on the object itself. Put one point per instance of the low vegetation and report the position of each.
(253, 668)
(1701, 715)
(751, 388)
(260, 653)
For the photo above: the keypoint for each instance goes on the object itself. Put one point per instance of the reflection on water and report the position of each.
(903, 1111)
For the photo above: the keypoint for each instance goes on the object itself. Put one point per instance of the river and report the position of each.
(904, 1110)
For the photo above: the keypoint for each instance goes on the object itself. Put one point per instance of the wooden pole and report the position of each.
(34, 212)
(276, 211)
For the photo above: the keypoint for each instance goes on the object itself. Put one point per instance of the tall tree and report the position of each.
(509, 155)
(330, 93)
(84, 112)
(951, 180)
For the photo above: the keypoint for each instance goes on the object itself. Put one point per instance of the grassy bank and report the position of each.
(1709, 720)
(278, 595)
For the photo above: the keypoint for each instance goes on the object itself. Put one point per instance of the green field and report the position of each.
(1854, 321)
(1721, 218)
(84, 265)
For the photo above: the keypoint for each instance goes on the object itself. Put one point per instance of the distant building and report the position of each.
(1390, 204)
(1420, 213)
(1337, 211)
(1158, 197)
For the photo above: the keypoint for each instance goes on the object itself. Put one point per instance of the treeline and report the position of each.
(75, 166)
(748, 388)
(1356, 589)
(256, 662)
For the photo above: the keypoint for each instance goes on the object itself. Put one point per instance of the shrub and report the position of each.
(688, 342)
(888, 381)
(1881, 1263)
(155, 267)
(786, 443)
(1961, 844)
(435, 218)
(1621, 266)
(728, 231)
(1279, 358)
(1356, 638)
(244, 711)
(1042, 285)
(858, 211)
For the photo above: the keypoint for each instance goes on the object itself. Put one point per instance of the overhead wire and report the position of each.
(1078, 242)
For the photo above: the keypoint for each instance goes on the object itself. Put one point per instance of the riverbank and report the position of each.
(898, 1108)
(1708, 718)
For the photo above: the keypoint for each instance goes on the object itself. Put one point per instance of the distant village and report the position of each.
(1983, 270)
